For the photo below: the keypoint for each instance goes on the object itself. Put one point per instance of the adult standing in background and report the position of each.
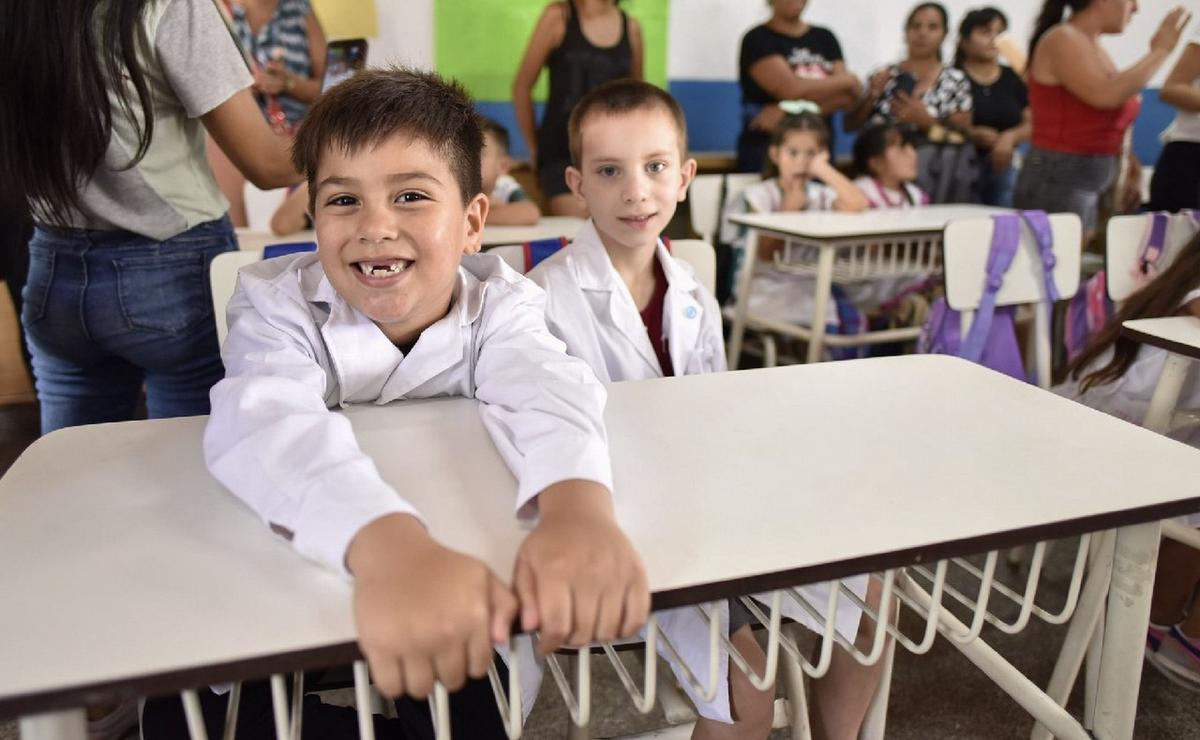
(787, 59)
(286, 47)
(584, 43)
(1176, 180)
(1000, 104)
(127, 214)
(932, 98)
(1082, 104)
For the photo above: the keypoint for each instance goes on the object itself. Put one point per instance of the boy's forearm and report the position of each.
(386, 541)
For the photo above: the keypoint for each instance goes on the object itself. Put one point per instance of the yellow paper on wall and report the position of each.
(347, 19)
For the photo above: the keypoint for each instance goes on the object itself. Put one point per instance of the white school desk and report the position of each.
(128, 570)
(548, 227)
(255, 240)
(913, 235)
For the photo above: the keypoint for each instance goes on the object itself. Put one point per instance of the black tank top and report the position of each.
(576, 67)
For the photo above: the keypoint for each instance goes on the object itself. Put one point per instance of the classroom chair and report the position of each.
(704, 205)
(965, 255)
(222, 274)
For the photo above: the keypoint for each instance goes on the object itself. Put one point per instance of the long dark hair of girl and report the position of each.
(1050, 16)
(1162, 297)
(805, 121)
(937, 8)
(980, 18)
(60, 60)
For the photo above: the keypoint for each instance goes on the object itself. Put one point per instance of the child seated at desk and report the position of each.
(798, 177)
(395, 305)
(1117, 375)
(623, 303)
(886, 162)
(508, 203)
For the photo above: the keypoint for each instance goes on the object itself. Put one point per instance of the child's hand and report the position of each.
(423, 612)
(819, 166)
(577, 575)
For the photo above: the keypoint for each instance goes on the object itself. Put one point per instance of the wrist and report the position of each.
(575, 498)
(384, 541)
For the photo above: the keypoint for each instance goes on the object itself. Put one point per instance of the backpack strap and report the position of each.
(1043, 234)
(1006, 235)
(539, 249)
(1156, 239)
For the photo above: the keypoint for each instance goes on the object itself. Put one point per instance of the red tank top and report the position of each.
(1064, 123)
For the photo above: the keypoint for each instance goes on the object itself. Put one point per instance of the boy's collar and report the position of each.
(598, 272)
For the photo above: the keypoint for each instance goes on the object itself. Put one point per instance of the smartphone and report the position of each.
(905, 83)
(342, 59)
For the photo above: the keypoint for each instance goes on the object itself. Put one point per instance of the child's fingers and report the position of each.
(554, 615)
(637, 605)
(585, 604)
(479, 654)
(386, 674)
(450, 666)
(525, 584)
(608, 615)
(504, 608)
(418, 676)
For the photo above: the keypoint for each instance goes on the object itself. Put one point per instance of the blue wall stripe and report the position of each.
(713, 117)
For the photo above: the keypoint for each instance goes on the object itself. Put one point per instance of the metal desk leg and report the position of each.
(824, 286)
(1166, 394)
(741, 309)
(1125, 625)
(68, 725)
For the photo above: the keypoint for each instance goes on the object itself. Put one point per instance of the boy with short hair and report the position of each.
(395, 305)
(620, 301)
(508, 203)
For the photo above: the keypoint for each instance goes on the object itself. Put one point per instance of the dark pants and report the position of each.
(1176, 181)
(473, 715)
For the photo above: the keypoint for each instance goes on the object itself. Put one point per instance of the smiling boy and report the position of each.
(396, 305)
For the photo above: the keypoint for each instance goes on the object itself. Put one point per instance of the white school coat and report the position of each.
(296, 350)
(589, 307)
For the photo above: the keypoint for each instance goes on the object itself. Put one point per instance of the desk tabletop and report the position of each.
(127, 565)
(1179, 334)
(835, 225)
(548, 227)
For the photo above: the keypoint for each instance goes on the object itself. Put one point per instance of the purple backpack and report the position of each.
(1091, 308)
(992, 338)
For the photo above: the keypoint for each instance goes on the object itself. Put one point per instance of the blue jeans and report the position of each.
(106, 312)
(995, 189)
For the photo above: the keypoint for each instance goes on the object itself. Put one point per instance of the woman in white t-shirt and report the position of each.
(1176, 180)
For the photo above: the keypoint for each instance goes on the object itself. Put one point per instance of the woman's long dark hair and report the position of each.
(61, 57)
(1162, 297)
(980, 18)
(1050, 16)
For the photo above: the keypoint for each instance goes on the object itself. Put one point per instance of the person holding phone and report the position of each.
(286, 47)
(929, 96)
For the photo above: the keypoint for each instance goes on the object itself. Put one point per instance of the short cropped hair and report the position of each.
(498, 132)
(378, 104)
(618, 97)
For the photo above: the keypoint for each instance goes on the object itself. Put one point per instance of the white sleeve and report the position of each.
(543, 408)
(275, 444)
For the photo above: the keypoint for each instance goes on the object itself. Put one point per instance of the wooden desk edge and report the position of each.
(1180, 348)
(326, 656)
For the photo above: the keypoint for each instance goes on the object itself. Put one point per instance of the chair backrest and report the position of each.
(702, 258)
(1126, 237)
(735, 183)
(222, 277)
(965, 253)
(704, 205)
(965, 250)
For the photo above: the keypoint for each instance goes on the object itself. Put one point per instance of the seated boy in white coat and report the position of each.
(396, 305)
(621, 302)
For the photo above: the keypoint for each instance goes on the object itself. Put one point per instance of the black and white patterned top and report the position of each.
(950, 93)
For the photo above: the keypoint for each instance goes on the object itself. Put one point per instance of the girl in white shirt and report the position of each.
(887, 165)
(798, 177)
(1117, 375)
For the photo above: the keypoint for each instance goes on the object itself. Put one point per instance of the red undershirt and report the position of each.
(652, 317)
